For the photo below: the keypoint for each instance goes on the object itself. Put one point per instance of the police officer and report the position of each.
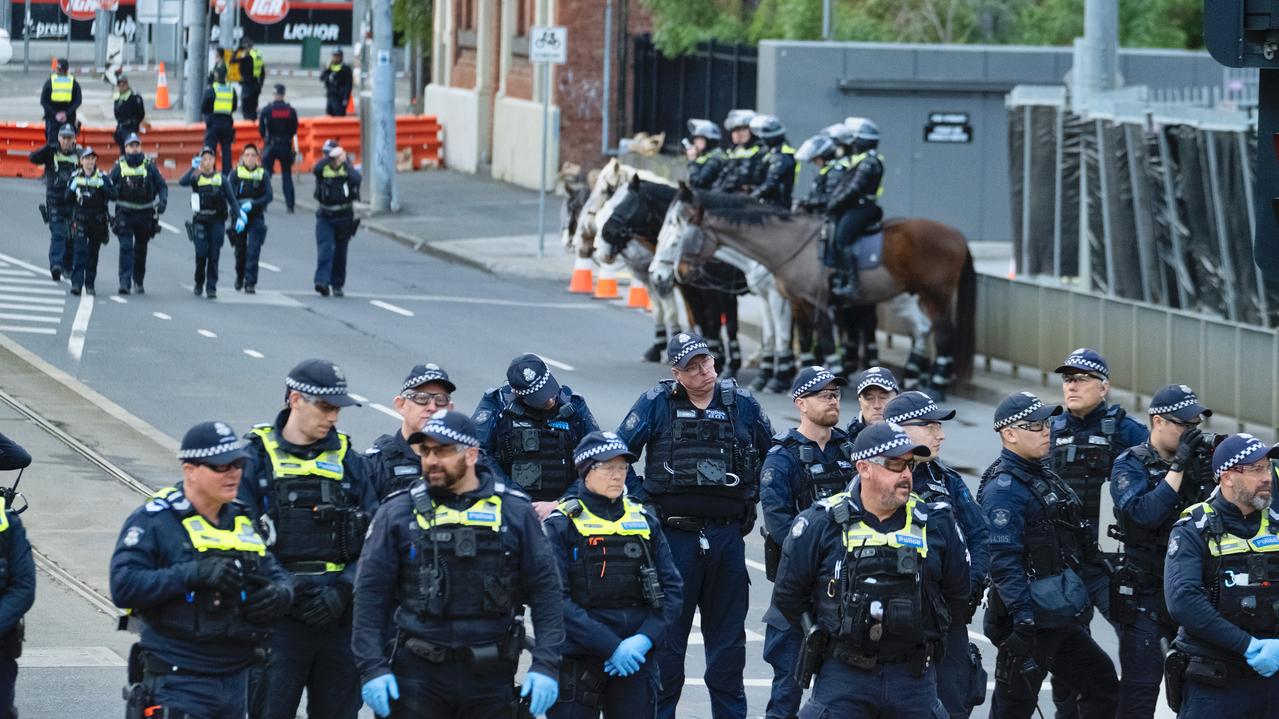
(1217, 580)
(622, 591)
(530, 426)
(211, 198)
(337, 81)
(1152, 483)
(141, 196)
(314, 494)
(866, 573)
(60, 98)
(252, 75)
(805, 465)
(88, 191)
(60, 160)
(706, 159)
(1038, 607)
(856, 202)
(129, 110)
(961, 681)
(278, 124)
(704, 440)
(192, 566)
(337, 186)
(461, 553)
(251, 184)
(823, 153)
(17, 578)
(777, 162)
(218, 107)
(743, 169)
(392, 463)
(876, 387)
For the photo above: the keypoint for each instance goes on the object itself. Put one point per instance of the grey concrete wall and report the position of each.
(811, 84)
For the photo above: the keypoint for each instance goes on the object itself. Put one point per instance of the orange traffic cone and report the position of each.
(637, 295)
(162, 90)
(350, 104)
(606, 288)
(581, 281)
(53, 64)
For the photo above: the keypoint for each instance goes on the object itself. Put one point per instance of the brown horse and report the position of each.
(920, 257)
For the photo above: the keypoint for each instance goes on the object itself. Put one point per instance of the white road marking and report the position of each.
(557, 364)
(62, 300)
(29, 330)
(394, 308)
(268, 266)
(207, 333)
(68, 657)
(118, 299)
(41, 281)
(15, 261)
(161, 316)
(386, 410)
(80, 327)
(4, 287)
(700, 682)
(29, 318)
(467, 300)
(756, 565)
(170, 228)
(17, 273)
(254, 354)
(360, 398)
(979, 637)
(30, 308)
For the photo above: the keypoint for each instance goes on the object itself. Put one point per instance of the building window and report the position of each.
(466, 24)
(525, 15)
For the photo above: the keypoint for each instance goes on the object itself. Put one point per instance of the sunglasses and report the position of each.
(223, 468)
(894, 464)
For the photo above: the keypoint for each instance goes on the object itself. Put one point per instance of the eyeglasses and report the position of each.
(1079, 378)
(319, 403)
(1257, 468)
(224, 468)
(441, 451)
(614, 470)
(830, 395)
(894, 464)
(1180, 423)
(699, 366)
(425, 399)
(1039, 426)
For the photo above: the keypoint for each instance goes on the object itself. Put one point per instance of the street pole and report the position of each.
(101, 29)
(26, 36)
(197, 56)
(179, 47)
(827, 17)
(1096, 55)
(383, 115)
(68, 55)
(541, 186)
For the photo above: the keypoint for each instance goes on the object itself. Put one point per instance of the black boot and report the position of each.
(844, 285)
(734, 357)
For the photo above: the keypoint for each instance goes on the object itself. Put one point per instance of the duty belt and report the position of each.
(478, 654)
(314, 567)
(136, 205)
(335, 208)
(697, 524)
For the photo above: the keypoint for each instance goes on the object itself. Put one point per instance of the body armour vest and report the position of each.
(90, 193)
(700, 453)
(135, 191)
(333, 190)
(1242, 576)
(1084, 460)
(537, 452)
(1054, 541)
(821, 479)
(212, 203)
(250, 183)
(611, 558)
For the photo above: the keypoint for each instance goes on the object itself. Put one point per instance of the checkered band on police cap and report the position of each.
(431, 373)
(690, 347)
(1086, 359)
(1169, 409)
(897, 440)
(338, 387)
(821, 378)
(438, 428)
(603, 442)
(1034, 406)
(537, 384)
(877, 377)
(920, 411)
(206, 452)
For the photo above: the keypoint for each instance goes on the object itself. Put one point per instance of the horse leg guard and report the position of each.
(654, 353)
(765, 372)
(784, 376)
(915, 371)
(734, 356)
(943, 370)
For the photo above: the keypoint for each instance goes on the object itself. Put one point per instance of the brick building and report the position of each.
(488, 95)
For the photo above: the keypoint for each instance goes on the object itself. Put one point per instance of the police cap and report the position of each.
(1240, 449)
(880, 377)
(531, 380)
(885, 439)
(132, 138)
(1179, 401)
(66, 131)
(599, 447)
(88, 151)
(321, 379)
(1023, 406)
(211, 443)
(425, 374)
(813, 379)
(447, 427)
(683, 347)
(915, 407)
(1085, 361)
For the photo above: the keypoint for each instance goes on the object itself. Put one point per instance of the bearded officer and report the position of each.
(868, 573)
(622, 591)
(1219, 574)
(313, 492)
(805, 465)
(461, 553)
(703, 442)
(392, 463)
(530, 426)
(192, 567)
(876, 387)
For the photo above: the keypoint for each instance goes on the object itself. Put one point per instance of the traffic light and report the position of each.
(1242, 33)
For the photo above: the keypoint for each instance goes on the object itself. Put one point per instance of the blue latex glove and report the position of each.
(543, 690)
(628, 656)
(239, 224)
(1263, 656)
(378, 693)
(246, 206)
(195, 163)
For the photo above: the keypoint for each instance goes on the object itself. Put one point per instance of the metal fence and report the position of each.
(1234, 367)
(705, 83)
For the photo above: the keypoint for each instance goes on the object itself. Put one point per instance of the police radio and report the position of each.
(12, 496)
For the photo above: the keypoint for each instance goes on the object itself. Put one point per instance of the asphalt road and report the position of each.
(173, 359)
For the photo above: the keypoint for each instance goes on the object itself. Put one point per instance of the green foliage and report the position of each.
(412, 18)
(679, 25)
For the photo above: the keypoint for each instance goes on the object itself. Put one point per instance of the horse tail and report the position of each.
(966, 319)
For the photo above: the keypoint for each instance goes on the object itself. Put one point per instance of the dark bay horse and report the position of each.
(920, 257)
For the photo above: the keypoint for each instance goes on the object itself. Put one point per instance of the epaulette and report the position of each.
(663, 387)
(570, 507)
(263, 425)
(504, 488)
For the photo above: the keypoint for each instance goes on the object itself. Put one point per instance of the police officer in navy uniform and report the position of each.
(311, 489)
(1038, 605)
(141, 196)
(337, 80)
(960, 671)
(278, 124)
(17, 578)
(337, 186)
(704, 440)
(805, 465)
(706, 159)
(868, 573)
(461, 554)
(251, 184)
(1152, 484)
(876, 387)
(777, 161)
(88, 192)
(211, 200)
(392, 462)
(622, 591)
(192, 566)
(218, 107)
(744, 168)
(530, 426)
(1218, 580)
(60, 98)
(60, 159)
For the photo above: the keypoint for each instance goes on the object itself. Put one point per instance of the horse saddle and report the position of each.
(870, 248)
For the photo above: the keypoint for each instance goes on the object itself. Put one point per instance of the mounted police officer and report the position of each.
(856, 202)
(313, 494)
(867, 574)
(622, 592)
(805, 465)
(1219, 583)
(392, 462)
(60, 159)
(211, 198)
(60, 97)
(337, 187)
(278, 124)
(141, 196)
(876, 387)
(706, 160)
(17, 576)
(961, 681)
(192, 566)
(461, 554)
(744, 168)
(703, 441)
(1152, 483)
(88, 192)
(1038, 607)
(777, 161)
(823, 153)
(218, 107)
(530, 426)
(251, 184)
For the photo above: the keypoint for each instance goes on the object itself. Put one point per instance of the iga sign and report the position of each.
(79, 9)
(266, 12)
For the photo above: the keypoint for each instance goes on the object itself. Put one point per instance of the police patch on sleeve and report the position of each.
(132, 537)
(632, 420)
(1173, 545)
(797, 529)
(1000, 518)
(481, 417)
(766, 477)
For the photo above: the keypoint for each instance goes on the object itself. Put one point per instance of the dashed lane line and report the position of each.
(207, 333)
(394, 308)
(161, 316)
(557, 364)
(386, 410)
(268, 266)
(255, 354)
(29, 330)
(119, 300)
(170, 228)
(80, 327)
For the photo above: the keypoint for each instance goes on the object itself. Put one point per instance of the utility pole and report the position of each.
(1096, 58)
(382, 158)
(101, 30)
(197, 57)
